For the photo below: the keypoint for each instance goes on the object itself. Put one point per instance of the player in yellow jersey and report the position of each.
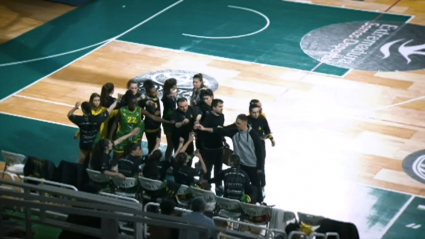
(128, 118)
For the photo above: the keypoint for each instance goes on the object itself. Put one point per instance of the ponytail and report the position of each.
(86, 107)
(107, 90)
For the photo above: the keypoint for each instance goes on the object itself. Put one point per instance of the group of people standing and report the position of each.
(114, 124)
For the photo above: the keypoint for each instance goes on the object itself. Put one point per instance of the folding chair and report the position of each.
(208, 196)
(257, 211)
(14, 163)
(183, 192)
(136, 228)
(100, 179)
(151, 189)
(126, 187)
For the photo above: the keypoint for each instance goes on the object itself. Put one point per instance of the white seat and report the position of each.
(208, 196)
(255, 210)
(14, 163)
(150, 185)
(97, 176)
(183, 191)
(100, 179)
(309, 219)
(126, 184)
(228, 207)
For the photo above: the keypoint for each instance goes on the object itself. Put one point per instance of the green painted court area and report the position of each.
(261, 31)
(274, 28)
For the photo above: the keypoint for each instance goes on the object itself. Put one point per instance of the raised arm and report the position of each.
(71, 112)
(112, 107)
(114, 125)
(158, 143)
(189, 141)
(132, 133)
(155, 118)
(201, 160)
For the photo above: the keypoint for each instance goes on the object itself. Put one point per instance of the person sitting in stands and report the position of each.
(157, 232)
(198, 218)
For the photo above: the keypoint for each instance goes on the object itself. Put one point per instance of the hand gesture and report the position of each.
(77, 105)
(185, 121)
(121, 176)
(201, 127)
(181, 140)
(273, 143)
(135, 131)
(197, 154)
(191, 136)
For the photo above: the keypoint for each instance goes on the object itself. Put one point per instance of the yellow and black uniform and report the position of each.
(152, 127)
(104, 126)
(261, 126)
(89, 128)
(129, 121)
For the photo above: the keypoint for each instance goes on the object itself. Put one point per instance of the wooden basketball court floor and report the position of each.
(341, 135)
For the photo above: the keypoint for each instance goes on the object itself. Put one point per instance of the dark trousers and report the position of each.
(212, 157)
(257, 180)
(151, 137)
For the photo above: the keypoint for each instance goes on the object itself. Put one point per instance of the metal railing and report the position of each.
(109, 210)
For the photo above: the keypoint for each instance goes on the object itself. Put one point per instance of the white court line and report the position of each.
(45, 121)
(46, 101)
(102, 45)
(223, 58)
(343, 7)
(238, 36)
(35, 82)
(389, 225)
(52, 56)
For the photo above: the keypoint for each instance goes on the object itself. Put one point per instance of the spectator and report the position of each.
(198, 218)
(158, 232)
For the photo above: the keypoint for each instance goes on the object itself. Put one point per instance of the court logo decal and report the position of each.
(414, 165)
(184, 81)
(379, 46)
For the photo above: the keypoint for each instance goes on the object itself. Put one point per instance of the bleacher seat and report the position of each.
(208, 196)
(100, 179)
(126, 187)
(14, 163)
